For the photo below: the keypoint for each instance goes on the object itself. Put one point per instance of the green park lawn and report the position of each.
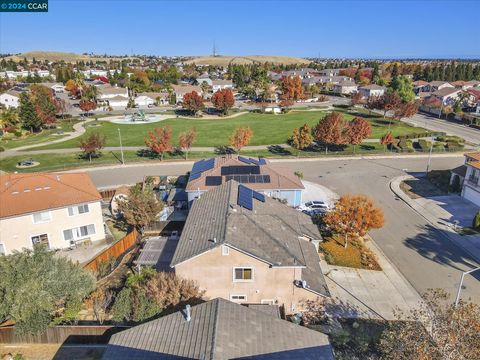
(267, 129)
(39, 138)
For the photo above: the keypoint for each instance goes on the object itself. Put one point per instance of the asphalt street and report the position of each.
(423, 255)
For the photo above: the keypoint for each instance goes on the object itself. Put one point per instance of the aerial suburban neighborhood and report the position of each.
(160, 203)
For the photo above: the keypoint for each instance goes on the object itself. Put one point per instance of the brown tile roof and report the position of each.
(280, 178)
(458, 83)
(420, 83)
(28, 193)
(473, 155)
(446, 91)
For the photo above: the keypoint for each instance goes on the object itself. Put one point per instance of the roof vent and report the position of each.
(188, 315)
(14, 192)
(26, 190)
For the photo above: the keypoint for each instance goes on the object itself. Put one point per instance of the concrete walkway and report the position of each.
(359, 293)
(438, 218)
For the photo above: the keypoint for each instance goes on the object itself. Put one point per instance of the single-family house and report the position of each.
(53, 209)
(151, 98)
(181, 90)
(420, 86)
(260, 175)
(106, 92)
(243, 246)
(10, 98)
(329, 72)
(371, 90)
(221, 84)
(438, 85)
(469, 177)
(345, 88)
(204, 78)
(447, 95)
(144, 100)
(472, 84)
(220, 329)
(56, 87)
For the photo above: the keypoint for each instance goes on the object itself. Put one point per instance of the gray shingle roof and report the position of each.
(219, 329)
(270, 232)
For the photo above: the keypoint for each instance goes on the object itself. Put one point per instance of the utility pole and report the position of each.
(429, 158)
(121, 147)
(461, 284)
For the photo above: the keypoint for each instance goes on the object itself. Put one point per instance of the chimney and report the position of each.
(188, 316)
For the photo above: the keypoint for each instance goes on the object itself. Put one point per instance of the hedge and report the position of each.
(406, 144)
(424, 144)
(454, 146)
(421, 135)
(451, 138)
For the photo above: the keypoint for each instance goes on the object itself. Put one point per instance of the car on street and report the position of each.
(315, 205)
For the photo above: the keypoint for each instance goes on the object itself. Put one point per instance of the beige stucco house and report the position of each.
(57, 210)
(245, 247)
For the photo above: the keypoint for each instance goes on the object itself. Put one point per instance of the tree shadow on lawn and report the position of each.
(432, 244)
(279, 150)
(224, 150)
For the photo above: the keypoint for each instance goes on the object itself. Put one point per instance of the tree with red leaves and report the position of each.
(193, 102)
(386, 140)
(389, 101)
(406, 110)
(158, 140)
(87, 105)
(223, 100)
(358, 130)
(292, 88)
(356, 98)
(331, 130)
(92, 145)
(45, 104)
(240, 138)
(433, 102)
(186, 140)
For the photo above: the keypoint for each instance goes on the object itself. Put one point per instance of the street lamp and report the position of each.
(429, 157)
(121, 147)
(461, 283)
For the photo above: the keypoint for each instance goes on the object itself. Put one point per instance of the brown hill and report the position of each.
(56, 56)
(225, 60)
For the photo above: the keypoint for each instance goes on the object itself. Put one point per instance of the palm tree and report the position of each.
(79, 82)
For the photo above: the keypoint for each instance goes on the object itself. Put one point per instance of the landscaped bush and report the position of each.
(424, 144)
(2, 149)
(451, 138)
(454, 146)
(407, 145)
(421, 135)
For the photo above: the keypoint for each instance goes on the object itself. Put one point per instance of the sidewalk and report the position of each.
(370, 294)
(427, 209)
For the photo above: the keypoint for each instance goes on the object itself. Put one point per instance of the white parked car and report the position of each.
(319, 206)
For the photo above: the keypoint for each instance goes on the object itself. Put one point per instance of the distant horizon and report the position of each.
(308, 29)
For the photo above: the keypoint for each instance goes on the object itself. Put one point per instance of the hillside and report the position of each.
(225, 60)
(55, 56)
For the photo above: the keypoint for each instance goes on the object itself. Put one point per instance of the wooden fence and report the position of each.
(70, 334)
(116, 250)
(107, 195)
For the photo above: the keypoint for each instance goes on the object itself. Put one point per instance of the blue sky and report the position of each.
(339, 28)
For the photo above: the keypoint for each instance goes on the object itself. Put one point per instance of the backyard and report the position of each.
(267, 129)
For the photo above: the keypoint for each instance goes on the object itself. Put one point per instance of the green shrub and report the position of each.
(438, 146)
(2, 149)
(454, 146)
(476, 221)
(424, 144)
(451, 138)
(406, 144)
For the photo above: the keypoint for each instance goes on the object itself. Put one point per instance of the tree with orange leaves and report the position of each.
(240, 138)
(301, 138)
(386, 140)
(358, 130)
(223, 100)
(356, 98)
(330, 130)
(292, 88)
(193, 102)
(406, 110)
(354, 215)
(186, 140)
(158, 140)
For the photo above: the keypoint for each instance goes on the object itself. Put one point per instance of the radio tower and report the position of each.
(214, 49)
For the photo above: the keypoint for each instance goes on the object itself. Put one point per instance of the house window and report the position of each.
(41, 217)
(243, 274)
(225, 250)
(79, 233)
(40, 239)
(2, 249)
(76, 210)
(238, 298)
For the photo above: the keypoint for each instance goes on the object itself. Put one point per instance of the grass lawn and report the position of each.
(356, 255)
(58, 162)
(44, 136)
(267, 129)
(118, 230)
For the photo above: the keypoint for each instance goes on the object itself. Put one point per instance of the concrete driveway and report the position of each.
(451, 208)
(318, 192)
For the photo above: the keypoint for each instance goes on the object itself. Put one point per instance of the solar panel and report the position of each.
(194, 176)
(229, 177)
(262, 161)
(245, 199)
(252, 179)
(213, 180)
(244, 159)
(240, 170)
(266, 178)
(258, 196)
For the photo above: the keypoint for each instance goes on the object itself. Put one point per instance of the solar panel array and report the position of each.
(213, 180)
(252, 161)
(240, 170)
(246, 196)
(201, 166)
(249, 179)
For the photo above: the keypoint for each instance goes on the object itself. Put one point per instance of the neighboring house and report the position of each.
(106, 92)
(53, 209)
(11, 98)
(438, 85)
(144, 100)
(371, 90)
(221, 84)
(420, 86)
(329, 72)
(447, 95)
(241, 245)
(260, 175)
(24, 73)
(56, 87)
(459, 85)
(181, 90)
(220, 329)
(118, 101)
(345, 88)
(204, 78)
(472, 84)
(471, 185)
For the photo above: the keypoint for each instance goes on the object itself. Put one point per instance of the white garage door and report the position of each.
(472, 195)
